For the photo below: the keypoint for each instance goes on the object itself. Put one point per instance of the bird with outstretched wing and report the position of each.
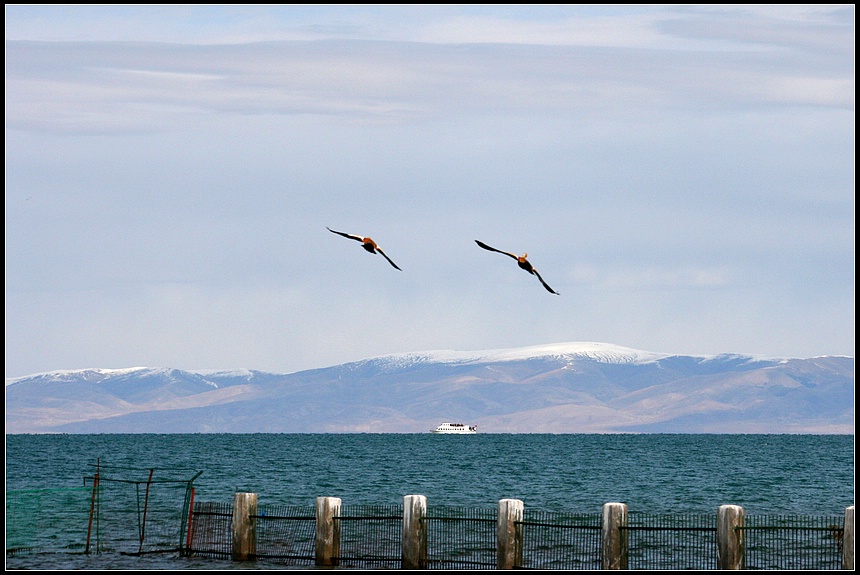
(367, 243)
(522, 262)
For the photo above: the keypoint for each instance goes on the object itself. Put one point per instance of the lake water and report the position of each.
(577, 473)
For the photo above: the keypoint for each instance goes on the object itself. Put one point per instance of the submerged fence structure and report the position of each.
(133, 511)
(415, 536)
(147, 511)
(38, 520)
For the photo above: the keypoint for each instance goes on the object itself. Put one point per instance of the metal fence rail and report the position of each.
(370, 536)
(671, 541)
(793, 542)
(285, 534)
(210, 534)
(132, 519)
(139, 510)
(47, 520)
(465, 538)
(110, 516)
(461, 538)
(561, 541)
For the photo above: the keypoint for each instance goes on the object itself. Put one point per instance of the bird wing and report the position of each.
(543, 283)
(386, 257)
(492, 249)
(350, 236)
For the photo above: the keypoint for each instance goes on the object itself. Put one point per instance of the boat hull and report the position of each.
(455, 429)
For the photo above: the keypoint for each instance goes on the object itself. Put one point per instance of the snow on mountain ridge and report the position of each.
(60, 373)
(558, 388)
(601, 352)
(243, 373)
(103, 376)
(566, 351)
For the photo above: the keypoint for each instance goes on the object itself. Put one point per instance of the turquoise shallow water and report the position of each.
(663, 473)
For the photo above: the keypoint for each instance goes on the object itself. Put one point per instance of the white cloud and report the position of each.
(682, 175)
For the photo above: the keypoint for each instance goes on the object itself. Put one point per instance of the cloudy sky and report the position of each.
(682, 175)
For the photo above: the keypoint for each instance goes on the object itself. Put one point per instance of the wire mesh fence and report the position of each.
(561, 541)
(370, 536)
(121, 517)
(286, 534)
(47, 520)
(671, 541)
(211, 531)
(137, 511)
(123, 523)
(793, 542)
(461, 538)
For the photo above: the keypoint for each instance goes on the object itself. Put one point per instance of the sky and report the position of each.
(683, 176)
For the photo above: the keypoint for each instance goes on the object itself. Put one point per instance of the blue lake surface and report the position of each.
(577, 473)
(804, 474)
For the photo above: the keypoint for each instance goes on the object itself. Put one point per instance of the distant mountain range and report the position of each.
(557, 388)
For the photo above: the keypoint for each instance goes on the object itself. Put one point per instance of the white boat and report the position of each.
(456, 428)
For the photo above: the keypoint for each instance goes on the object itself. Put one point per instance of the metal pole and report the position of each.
(145, 506)
(93, 505)
(190, 522)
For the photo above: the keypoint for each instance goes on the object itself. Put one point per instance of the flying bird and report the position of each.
(522, 262)
(366, 243)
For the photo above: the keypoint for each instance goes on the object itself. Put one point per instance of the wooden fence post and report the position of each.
(244, 526)
(327, 531)
(614, 536)
(414, 536)
(509, 534)
(731, 543)
(848, 539)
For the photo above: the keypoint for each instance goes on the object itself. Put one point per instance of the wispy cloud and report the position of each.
(675, 171)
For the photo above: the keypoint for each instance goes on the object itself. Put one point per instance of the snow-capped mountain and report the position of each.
(603, 352)
(557, 388)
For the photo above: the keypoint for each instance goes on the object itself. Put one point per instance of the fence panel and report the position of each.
(133, 517)
(793, 542)
(371, 536)
(286, 534)
(128, 520)
(461, 538)
(211, 531)
(671, 541)
(561, 541)
(47, 520)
